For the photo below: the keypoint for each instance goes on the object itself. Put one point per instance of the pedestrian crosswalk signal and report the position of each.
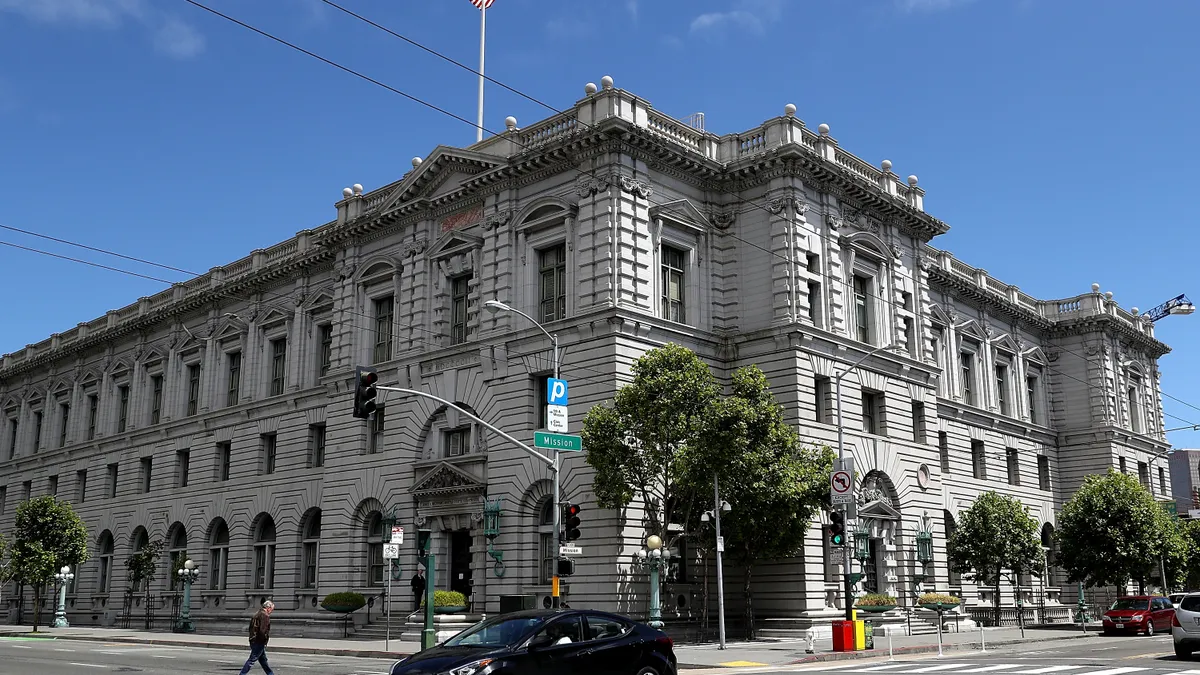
(837, 528)
(364, 392)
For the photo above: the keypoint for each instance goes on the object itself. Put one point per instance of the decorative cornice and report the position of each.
(497, 219)
(636, 187)
(414, 247)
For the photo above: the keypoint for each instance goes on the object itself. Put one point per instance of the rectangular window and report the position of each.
(459, 302)
(968, 377)
(37, 430)
(862, 308)
(269, 447)
(1043, 472)
(182, 465)
(540, 383)
(1014, 466)
(123, 408)
(52, 486)
(65, 423)
(1162, 481)
(156, 385)
(871, 409)
(944, 450)
(814, 302)
(674, 262)
(235, 379)
(978, 460)
(147, 466)
(1121, 464)
(310, 563)
(910, 337)
(193, 404)
(278, 365)
(264, 565)
(3, 499)
(384, 314)
(93, 414)
(1135, 410)
(552, 283)
(81, 486)
(1002, 397)
(316, 445)
(1144, 475)
(375, 442)
(326, 348)
(918, 415)
(112, 480)
(1031, 396)
(823, 391)
(27, 490)
(224, 459)
(458, 441)
(13, 428)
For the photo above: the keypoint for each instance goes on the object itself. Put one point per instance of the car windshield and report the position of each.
(1131, 603)
(495, 633)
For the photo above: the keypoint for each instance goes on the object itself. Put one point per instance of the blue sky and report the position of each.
(1054, 136)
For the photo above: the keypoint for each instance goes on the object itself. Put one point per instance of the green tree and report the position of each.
(773, 483)
(143, 566)
(1190, 531)
(638, 445)
(47, 535)
(1111, 532)
(996, 536)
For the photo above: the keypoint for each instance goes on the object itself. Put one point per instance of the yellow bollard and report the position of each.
(860, 634)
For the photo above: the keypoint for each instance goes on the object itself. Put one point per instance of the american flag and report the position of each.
(482, 4)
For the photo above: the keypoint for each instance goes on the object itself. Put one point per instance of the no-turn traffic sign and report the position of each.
(841, 487)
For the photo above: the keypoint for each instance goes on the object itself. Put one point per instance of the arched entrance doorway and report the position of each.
(879, 524)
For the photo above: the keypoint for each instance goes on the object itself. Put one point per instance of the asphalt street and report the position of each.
(37, 656)
(1116, 655)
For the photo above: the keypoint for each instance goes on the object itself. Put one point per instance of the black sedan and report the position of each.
(548, 642)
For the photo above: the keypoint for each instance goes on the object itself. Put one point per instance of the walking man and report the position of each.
(418, 587)
(260, 634)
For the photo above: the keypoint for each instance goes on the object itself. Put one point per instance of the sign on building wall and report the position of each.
(462, 219)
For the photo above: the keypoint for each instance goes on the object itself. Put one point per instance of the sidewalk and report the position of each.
(691, 657)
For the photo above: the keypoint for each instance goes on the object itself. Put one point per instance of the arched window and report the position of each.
(106, 558)
(218, 555)
(177, 550)
(311, 548)
(139, 541)
(375, 549)
(547, 556)
(264, 554)
(948, 523)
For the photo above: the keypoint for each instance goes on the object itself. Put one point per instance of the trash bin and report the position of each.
(843, 636)
(860, 634)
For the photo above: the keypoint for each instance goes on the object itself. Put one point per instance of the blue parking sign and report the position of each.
(556, 391)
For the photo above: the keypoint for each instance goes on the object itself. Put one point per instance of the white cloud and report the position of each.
(930, 5)
(171, 35)
(750, 16)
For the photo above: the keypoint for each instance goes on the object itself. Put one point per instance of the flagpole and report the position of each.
(482, 33)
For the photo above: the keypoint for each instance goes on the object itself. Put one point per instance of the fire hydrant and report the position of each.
(811, 636)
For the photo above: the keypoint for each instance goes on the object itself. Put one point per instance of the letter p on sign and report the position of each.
(556, 391)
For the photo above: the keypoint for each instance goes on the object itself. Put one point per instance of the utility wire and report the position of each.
(99, 250)
(85, 262)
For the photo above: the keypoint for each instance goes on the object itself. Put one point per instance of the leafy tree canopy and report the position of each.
(47, 535)
(143, 565)
(1112, 531)
(994, 535)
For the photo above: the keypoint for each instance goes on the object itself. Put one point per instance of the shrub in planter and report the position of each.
(876, 600)
(448, 599)
(943, 599)
(344, 603)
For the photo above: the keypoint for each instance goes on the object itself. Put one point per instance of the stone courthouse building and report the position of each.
(216, 415)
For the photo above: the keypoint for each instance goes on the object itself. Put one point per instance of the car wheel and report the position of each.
(1150, 628)
(648, 670)
(1182, 654)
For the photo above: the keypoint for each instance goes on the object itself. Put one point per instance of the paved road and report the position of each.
(70, 657)
(1117, 655)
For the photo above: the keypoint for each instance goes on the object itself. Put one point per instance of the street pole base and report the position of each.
(655, 623)
(428, 638)
(60, 621)
(184, 626)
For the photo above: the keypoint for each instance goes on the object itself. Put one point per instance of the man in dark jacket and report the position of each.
(260, 635)
(418, 587)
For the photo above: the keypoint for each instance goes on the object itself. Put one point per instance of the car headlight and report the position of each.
(1137, 617)
(471, 668)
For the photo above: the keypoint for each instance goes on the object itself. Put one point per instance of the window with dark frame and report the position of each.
(814, 302)
(218, 557)
(123, 408)
(311, 544)
(458, 441)
(1162, 481)
(978, 460)
(37, 431)
(967, 368)
(182, 466)
(378, 426)
(1002, 397)
(233, 392)
(93, 415)
(81, 486)
(112, 480)
(674, 264)
(375, 562)
(1144, 476)
(193, 404)
(910, 337)
(52, 486)
(871, 409)
(944, 451)
(156, 385)
(1121, 464)
(106, 558)
(316, 445)
(823, 392)
(326, 337)
(918, 415)
(264, 555)
(1013, 461)
(27, 490)
(64, 423)
(269, 447)
(145, 477)
(278, 365)
(460, 288)
(1043, 463)
(862, 308)
(3, 499)
(224, 460)
(552, 283)
(1135, 408)
(540, 383)
(385, 310)
(13, 428)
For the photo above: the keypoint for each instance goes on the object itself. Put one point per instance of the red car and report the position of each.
(1147, 613)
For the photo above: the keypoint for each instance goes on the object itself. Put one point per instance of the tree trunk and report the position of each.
(997, 602)
(37, 606)
(749, 611)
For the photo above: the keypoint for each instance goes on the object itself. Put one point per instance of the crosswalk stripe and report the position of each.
(1047, 669)
(930, 669)
(1187, 672)
(988, 669)
(878, 668)
(1115, 671)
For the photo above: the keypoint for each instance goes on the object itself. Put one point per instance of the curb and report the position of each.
(925, 649)
(281, 649)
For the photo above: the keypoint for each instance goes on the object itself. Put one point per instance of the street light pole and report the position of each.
(720, 575)
(188, 574)
(497, 306)
(63, 577)
(846, 590)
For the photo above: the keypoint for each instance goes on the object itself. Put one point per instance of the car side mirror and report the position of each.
(540, 641)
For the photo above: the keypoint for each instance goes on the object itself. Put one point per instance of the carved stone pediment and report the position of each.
(445, 479)
(878, 510)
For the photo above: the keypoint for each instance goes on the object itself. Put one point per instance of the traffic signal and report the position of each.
(571, 522)
(424, 537)
(566, 567)
(837, 528)
(364, 392)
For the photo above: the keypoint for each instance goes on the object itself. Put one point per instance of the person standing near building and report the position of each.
(418, 587)
(260, 635)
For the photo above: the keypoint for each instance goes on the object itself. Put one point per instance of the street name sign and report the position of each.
(570, 550)
(391, 551)
(556, 418)
(564, 442)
